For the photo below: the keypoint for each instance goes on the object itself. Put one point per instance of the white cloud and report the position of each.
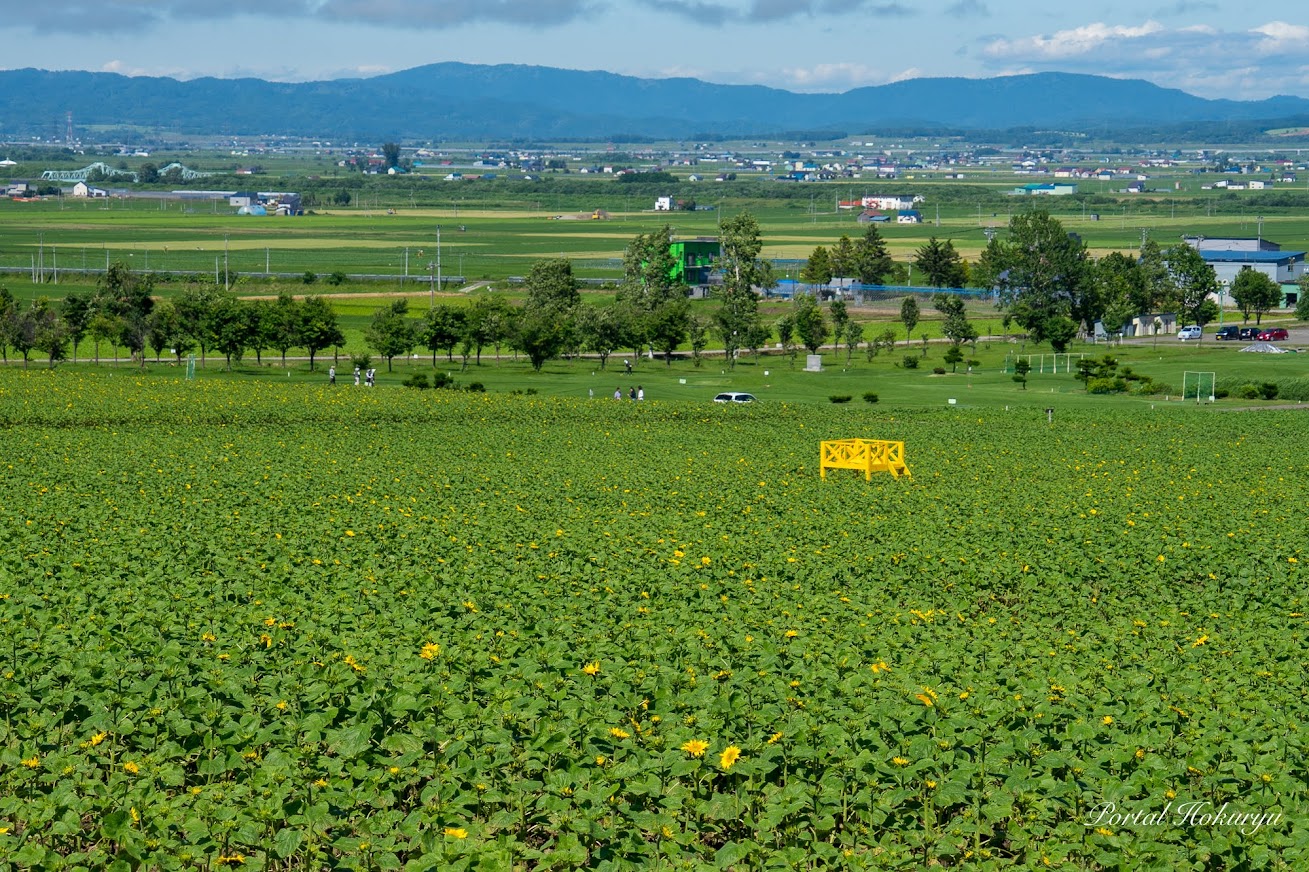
(1072, 43)
(830, 77)
(1279, 36)
(1198, 58)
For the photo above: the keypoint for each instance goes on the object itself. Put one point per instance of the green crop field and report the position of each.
(260, 623)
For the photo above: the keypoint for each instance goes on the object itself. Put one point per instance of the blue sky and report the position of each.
(1202, 47)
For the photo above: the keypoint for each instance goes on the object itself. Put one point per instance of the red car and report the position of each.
(1273, 334)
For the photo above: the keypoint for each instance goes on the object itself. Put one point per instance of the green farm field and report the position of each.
(495, 230)
(260, 623)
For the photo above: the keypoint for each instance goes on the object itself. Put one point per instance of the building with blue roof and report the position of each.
(1228, 255)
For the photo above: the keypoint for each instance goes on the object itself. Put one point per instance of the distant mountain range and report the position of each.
(453, 101)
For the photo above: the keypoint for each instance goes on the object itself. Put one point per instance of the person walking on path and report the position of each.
(640, 393)
(331, 375)
(356, 376)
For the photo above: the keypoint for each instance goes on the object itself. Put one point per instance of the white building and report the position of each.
(82, 189)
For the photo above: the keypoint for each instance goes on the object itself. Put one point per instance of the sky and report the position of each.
(1201, 47)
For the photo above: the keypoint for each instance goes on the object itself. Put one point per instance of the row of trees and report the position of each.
(123, 312)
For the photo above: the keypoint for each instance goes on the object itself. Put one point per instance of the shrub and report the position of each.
(337, 278)
(911, 361)
(1248, 392)
(417, 380)
(1268, 390)
(309, 277)
(442, 380)
(476, 388)
(840, 398)
(938, 370)
(1222, 394)
(870, 397)
(1106, 386)
(362, 360)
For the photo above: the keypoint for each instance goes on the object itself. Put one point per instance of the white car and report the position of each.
(734, 397)
(1192, 331)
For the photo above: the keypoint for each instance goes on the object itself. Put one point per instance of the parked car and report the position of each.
(734, 397)
(1274, 334)
(1249, 334)
(1191, 331)
(1228, 333)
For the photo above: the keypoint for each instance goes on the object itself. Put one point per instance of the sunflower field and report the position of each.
(263, 626)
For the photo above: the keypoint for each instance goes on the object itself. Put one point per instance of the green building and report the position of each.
(694, 259)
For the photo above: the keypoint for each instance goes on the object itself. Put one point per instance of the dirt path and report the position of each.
(374, 295)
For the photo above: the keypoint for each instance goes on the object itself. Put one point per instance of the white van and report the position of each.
(1191, 331)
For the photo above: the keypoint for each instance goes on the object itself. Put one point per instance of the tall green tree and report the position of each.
(852, 334)
(282, 321)
(843, 258)
(390, 332)
(909, 314)
(540, 335)
(808, 322)
(129, 296)
(940, 265)
(261, 328)
(164, 328)
(319, 327)
(77, 309)
(493, 320)
(668, 327)
(1195, 281)
(818, 268)
(1254, 292)
(956, 327)
(648, 272)
(546, 325)
(653, 296)
(1156, 292)
(551, 286)
(601, 329)
(442, 326)
(1120, 283)
(229, 326)
(872, 263)
(1041, 274)
(840, 316)
(22, 333)
(49, 332)
(743, 270)
(8, 321)
(195, 307)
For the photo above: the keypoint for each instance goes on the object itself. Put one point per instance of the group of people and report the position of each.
(636, 393)
(369, 376)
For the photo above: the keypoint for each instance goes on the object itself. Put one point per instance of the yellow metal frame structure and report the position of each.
(866, 455)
